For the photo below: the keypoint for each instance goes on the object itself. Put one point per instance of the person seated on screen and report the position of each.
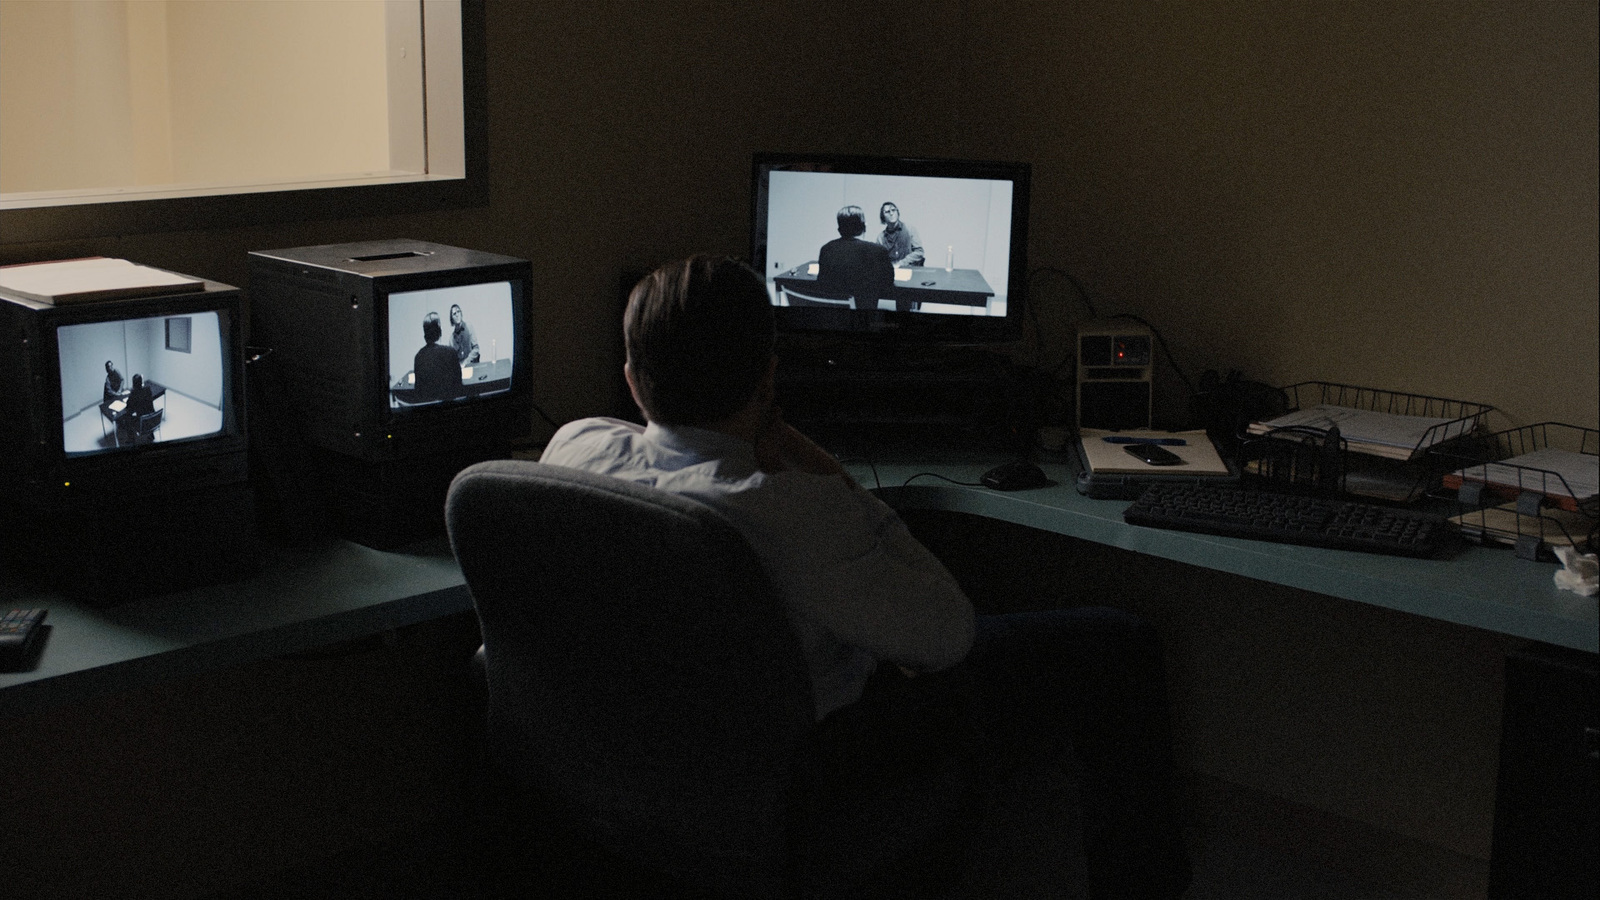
(850, 264)
(141, 402)
(461, 337)
(436, 368)
(113, 389)
(892, 643)
(899, 238)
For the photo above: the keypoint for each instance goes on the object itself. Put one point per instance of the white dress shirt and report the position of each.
(857, 586)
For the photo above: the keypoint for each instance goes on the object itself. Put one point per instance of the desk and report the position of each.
(300, 600)
(157, 391)
(962, 287)
(485, 378)
(1482, 587)
(338, 591)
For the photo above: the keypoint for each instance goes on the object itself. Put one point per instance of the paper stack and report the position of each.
(90, 279)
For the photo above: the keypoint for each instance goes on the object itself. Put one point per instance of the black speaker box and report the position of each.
(1114, 375)
(1547, 803)
(107, 551)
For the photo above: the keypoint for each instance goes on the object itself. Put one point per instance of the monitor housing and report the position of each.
(98, 503)
(971, 218)
(927, 363)
(358, 408)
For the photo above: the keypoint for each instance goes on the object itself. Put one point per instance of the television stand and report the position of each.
(106, 550)
(847, 396)
(382, 504)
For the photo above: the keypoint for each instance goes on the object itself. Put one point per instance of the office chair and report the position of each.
(649, 713)
(147, 425)
(812, 296)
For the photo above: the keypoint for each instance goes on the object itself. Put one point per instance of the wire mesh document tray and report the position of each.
(1343, 439)
(1533, 487)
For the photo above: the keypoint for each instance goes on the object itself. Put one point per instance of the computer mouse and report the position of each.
(1019, 475)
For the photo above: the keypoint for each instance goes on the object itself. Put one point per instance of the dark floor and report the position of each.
(1246, 846)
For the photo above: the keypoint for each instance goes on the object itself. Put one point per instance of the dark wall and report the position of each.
(1401, 195)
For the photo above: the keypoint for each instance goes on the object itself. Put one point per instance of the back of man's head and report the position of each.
(699, 335)
(431, 329)
(852, 221)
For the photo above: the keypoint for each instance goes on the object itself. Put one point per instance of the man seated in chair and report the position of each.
(141, 403)
(879, 618)
(851, 264)
(113, 386)
(437, 369)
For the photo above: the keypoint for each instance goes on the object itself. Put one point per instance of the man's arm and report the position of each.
(782, 448)
(914, 256)
(862, 574)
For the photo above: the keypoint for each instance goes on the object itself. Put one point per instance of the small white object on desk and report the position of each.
(1579, 573)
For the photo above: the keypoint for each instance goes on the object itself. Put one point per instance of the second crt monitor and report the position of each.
(383, 350)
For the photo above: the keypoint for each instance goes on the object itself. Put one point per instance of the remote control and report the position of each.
(19, 628)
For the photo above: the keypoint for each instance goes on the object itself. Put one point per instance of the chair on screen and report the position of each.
(144, 430)
(813, 297)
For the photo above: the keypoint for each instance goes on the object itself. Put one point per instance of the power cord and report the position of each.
(941, 478)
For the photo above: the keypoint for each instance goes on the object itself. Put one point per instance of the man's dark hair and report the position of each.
(430, 328)
(852, 222)
(699, 337)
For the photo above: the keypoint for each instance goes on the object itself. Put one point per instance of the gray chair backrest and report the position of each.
(642, 675)
(813, 296)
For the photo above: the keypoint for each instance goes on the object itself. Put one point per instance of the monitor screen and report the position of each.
(891, 245)
(449, 345)
(127, 383)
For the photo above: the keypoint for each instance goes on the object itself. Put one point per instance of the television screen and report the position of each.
(888, 244)
(139, 381)
(450, 344)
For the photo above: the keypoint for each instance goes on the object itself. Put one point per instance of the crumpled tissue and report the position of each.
(1580, 572)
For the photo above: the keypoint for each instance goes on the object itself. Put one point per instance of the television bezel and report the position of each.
(418, 429)
(157, 467)
(885, 326)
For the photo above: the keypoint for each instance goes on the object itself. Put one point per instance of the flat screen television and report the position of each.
(393, 349)
(953, 233)
(124, 398)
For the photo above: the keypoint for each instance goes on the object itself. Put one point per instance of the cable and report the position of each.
(1083, 295)
(544, 415)
(1033, 310)
(942, 478)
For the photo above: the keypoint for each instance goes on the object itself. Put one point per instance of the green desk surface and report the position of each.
(1483, 587)
(307, 598)
(300, 600)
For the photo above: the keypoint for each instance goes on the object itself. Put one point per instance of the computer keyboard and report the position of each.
(1290, 519)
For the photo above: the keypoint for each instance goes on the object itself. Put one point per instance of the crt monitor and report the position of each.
(125, 397)
(394, 349)
(125, 450)
(894, 248)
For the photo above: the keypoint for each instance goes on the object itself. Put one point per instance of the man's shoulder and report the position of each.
(860, 249)
(581, 440)
(594, 425)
